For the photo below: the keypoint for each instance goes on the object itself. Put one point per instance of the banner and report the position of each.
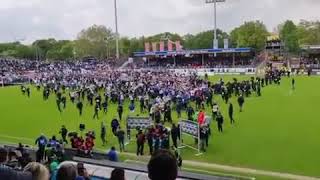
(161, 46)
(189, 127)
(147, 47)
(154, 46)
(170, 47)
(178, 46)
(138, 122)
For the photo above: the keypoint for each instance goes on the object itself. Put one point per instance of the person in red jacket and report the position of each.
(201, 117)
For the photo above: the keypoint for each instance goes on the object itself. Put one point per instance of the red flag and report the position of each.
(178, 46)
(147, 47)
(161, 46)
(170, 45)
(154, 46)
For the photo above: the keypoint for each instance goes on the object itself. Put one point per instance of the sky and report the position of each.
(28, 20)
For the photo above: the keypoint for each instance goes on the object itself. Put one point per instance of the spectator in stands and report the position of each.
(117, 174)
(163, 166)
(25, 159)
(13, 160)
(82, 171)
(53, 169)
(3, 156)
(38, 171)
(7, 173)
(20, 148)
(67, 172)
(112, 154)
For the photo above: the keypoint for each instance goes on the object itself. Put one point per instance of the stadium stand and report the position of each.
(99, 168)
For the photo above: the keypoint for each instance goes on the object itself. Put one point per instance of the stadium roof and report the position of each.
(311, 47)
(192, 52)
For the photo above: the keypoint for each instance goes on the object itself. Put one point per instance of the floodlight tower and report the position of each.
(116, 23)
(215, 43)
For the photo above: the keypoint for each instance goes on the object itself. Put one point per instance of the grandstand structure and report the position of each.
(218, 61)
(275, 48)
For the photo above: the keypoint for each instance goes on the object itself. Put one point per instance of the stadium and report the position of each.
(215, 104)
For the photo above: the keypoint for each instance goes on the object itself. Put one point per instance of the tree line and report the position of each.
(99, 41)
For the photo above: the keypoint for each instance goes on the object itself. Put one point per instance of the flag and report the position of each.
(147, 47)
(154, 46)
(178, 46)
(170, 45)
(161, 46)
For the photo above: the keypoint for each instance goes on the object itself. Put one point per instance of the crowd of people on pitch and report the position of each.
(157, 93)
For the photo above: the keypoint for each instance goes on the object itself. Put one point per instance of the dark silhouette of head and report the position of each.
(117, 174)
(163, 166)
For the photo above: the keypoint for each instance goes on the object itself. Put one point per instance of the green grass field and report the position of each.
(278, 131)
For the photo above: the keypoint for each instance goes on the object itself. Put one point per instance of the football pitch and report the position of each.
(279, 131)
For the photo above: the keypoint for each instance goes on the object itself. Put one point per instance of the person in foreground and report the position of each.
(163, 166)
(38, 171)
(67, 172)
(8, 173)
(117, 174)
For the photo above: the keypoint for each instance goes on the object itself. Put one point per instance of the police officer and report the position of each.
(241, 102)
(80, 106)
(120, 111)
(230, 112)
(96, 111)
(64, 133)
(174, 135)
(219, 121)
(103, 133)
(105, 106)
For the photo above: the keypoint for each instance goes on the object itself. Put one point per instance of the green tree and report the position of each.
(93, 41)
(44, 45)
(67, 51)
(251, 34)
(309, 32)
(204, 39)
(137, 44)
(290, 36)
(125, 46)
